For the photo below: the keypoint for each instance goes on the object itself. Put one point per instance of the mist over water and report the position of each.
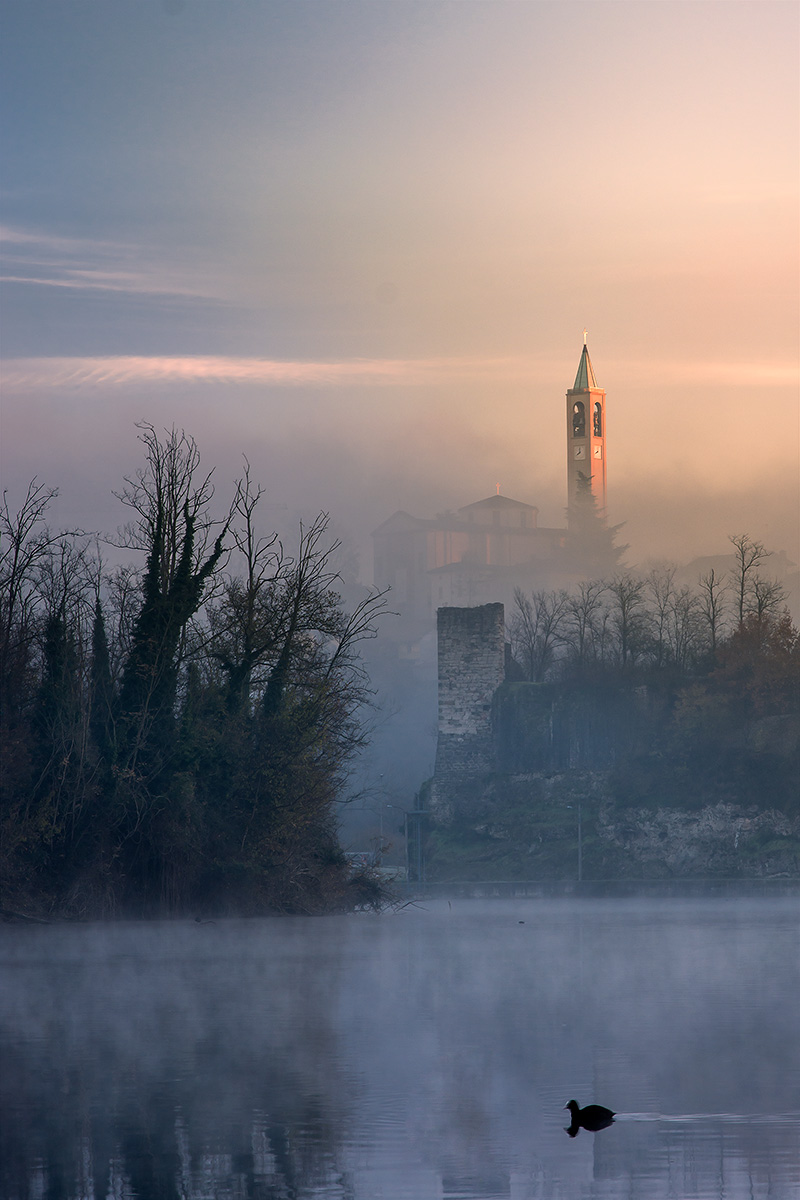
(424, 1053)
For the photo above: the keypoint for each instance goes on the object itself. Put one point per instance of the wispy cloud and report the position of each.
(42, 259)
(10, 235)
(119, 371)
(23, 374)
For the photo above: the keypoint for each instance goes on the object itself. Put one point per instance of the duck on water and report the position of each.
(593, 1117)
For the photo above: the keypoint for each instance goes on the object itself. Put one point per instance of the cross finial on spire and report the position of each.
(498, 488)
(584, 337)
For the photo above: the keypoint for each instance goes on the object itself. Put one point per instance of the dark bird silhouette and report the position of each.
(594, 1117)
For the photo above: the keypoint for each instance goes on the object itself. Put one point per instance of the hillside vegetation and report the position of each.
(662, 720)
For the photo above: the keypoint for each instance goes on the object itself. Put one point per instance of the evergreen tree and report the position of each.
(591, 541)
(101, 689)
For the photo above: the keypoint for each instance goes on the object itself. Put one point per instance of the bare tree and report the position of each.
(305, 605)
(685, 626)
(748, 553)
(537, 627)
(280, 634)
(242, 629)
(165, 495)
(65, 580)
(660, 587)
(713, 604)
(123, 599)
(584, 630)
(25, 543)
(768, 597)
(628, 616)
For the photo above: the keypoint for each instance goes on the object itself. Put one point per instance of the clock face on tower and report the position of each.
(579, 452)
(598, 451)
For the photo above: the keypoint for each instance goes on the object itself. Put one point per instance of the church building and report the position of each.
(481, 552)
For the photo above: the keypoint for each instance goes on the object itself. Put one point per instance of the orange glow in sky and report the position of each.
(361, 242)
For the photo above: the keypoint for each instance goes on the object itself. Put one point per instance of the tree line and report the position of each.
(645, 621)
(176, 732)
(698, 686)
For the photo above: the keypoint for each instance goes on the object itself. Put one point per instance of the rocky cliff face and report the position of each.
(554, 825)
(721, 839)
(605, 774)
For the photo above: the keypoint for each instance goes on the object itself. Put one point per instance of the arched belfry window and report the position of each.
(578, 419)
(597, 419)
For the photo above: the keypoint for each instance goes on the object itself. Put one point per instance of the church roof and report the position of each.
(402, 521)
(461, 520)
(585, 379)
(497, 502)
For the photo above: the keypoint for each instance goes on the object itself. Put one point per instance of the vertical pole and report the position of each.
(405, 822)
(580, 846)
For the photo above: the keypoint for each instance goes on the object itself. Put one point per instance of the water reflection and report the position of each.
(421, 1054)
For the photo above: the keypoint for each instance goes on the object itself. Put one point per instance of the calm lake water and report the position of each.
(426, 1053)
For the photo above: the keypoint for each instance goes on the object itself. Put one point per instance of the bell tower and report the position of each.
(586, 436)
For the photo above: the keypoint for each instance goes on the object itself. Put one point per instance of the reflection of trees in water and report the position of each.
(83, 1131)
(269, 1059)
(178, 1076)
(717, 1160)
(627, 1005)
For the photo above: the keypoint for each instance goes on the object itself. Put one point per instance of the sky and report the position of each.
(359, 243)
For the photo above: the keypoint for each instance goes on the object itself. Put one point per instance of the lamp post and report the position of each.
(417, 814)
(580, 841)
(406, 814)
(580, 846)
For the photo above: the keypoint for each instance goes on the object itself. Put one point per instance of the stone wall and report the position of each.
(471, 651)
(521, 768)
(544, 727)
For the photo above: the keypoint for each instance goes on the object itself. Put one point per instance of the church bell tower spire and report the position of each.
(586, 435)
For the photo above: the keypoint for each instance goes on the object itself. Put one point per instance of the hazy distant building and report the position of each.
(461, 558)
(482, 551)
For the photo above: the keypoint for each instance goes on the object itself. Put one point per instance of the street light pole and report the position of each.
(405, 836)
(580, 841)
(418, 814)
(580, 846)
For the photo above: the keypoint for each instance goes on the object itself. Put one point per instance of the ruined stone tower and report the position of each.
(471, 667)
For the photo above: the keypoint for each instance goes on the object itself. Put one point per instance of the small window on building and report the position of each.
(597, 419)
(578, 419)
